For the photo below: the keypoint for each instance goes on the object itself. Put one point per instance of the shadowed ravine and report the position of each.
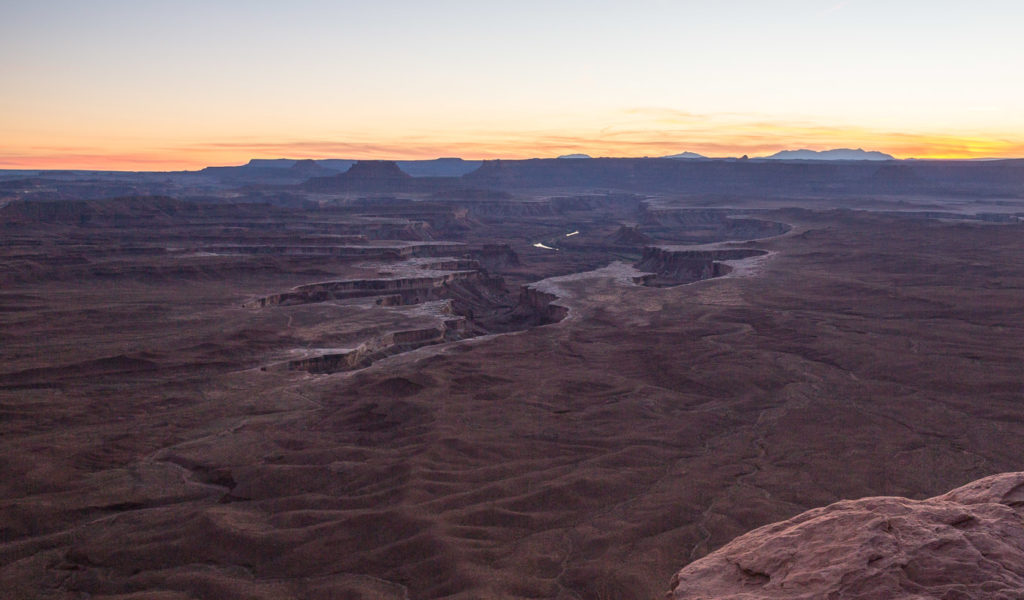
(468, 302)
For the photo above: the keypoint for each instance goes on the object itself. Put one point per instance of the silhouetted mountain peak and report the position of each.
(685, 156)
(835, 154)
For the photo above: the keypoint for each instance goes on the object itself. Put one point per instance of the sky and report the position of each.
(157, 85)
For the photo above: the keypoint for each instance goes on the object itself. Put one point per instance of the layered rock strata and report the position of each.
(674, 266)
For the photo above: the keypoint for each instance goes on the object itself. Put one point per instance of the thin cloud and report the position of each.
(832, 9)
(667, 115)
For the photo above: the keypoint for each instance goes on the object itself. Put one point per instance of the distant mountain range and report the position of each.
(681, 156)
(836, 154)
(287, 169)
(685, 156)
(284, 181)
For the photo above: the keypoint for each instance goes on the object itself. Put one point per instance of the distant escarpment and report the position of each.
(270, 171)
(667, 174)
(967, 544)
(764, 176)
(674, 266)
(380, 176)
(288, 171)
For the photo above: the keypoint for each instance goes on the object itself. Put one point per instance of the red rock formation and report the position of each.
(966, 544)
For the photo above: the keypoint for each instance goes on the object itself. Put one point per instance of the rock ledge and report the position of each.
(968, 543)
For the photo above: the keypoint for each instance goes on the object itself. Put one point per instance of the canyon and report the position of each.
(508, 379)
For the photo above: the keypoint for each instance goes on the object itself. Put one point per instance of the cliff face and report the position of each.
(674, 267)
(413, 290)
(394, 342)
(966, 544)
(493, 257)
(540, 308)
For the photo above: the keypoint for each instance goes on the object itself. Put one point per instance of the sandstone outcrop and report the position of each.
(674, 266)
(968, 543)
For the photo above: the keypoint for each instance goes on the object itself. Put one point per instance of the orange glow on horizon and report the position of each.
(652, 135)
(189, 160)
(149, 86)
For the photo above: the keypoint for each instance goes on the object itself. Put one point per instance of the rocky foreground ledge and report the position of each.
(968, 543)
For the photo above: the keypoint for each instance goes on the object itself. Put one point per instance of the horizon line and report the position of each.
(10, 166)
